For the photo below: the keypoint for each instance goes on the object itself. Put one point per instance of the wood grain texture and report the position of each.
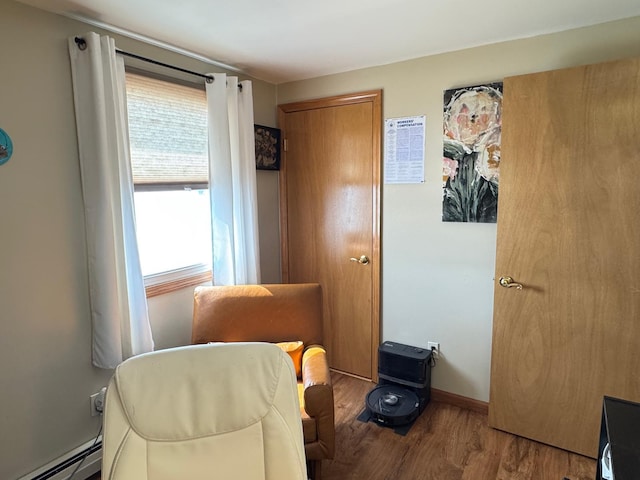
(173, 285)
(445, 443)
(330, 212)
(568, 230)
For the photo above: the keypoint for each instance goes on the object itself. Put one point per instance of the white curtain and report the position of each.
(119, 313)
(232, 182)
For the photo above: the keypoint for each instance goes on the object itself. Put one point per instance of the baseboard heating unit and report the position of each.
(62, 467)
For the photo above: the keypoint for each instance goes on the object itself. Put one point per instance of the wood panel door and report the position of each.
(569, 232)
(329, 190)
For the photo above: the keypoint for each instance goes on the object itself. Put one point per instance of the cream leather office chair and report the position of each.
(221, 411)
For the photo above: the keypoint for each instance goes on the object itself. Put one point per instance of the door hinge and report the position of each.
(285, 144)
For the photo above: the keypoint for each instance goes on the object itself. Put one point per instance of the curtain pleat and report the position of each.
(119, 312)
(232, 182)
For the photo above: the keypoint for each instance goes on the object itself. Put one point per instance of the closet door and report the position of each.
(330, 210)
(569, 232)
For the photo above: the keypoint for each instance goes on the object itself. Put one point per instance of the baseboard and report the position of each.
(440, 396)
(62, 467)
(460, 401)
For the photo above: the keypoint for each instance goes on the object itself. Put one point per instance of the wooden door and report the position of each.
(330, 215)
(569, 232)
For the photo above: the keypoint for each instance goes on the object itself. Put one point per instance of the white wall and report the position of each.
(46, 375)
(437, 278)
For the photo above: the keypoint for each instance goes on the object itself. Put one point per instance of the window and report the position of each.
(168, 138)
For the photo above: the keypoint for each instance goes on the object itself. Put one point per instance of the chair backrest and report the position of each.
(225, 411)
(258, 313)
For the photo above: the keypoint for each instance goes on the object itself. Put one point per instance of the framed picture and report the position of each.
(471, 155)
(267, 147)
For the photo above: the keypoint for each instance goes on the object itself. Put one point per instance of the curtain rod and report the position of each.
(208, 78)
(82, 44)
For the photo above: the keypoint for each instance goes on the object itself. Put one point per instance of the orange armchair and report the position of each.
(277, 313)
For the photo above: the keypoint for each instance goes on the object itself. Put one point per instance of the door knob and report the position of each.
(507, 282)
(363, 260)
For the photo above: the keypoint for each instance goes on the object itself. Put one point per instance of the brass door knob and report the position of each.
(507, 282)
(363, 260)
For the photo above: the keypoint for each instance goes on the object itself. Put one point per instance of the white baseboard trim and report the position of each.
(62, 467)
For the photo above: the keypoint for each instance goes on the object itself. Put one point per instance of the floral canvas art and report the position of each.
(471, 153)
(267, 141)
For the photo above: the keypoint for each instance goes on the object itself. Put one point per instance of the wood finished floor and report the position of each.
(445, 443)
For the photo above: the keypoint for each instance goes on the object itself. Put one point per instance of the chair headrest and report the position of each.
(238, 382)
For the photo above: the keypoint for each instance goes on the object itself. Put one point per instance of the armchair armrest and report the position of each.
(318, 398)
(315, 366)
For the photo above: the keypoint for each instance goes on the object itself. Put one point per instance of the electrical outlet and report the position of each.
(97, 402)
(434, 347)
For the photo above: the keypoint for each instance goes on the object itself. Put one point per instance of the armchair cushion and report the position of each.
(294, 350)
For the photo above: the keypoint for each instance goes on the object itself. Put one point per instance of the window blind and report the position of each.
(167, 132)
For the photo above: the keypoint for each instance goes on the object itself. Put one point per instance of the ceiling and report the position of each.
(286, 40)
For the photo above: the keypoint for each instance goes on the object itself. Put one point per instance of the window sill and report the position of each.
(169, 286)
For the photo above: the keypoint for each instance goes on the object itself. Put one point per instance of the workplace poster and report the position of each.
(404, 149)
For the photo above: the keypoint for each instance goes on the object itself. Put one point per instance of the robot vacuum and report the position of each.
(392, 405)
